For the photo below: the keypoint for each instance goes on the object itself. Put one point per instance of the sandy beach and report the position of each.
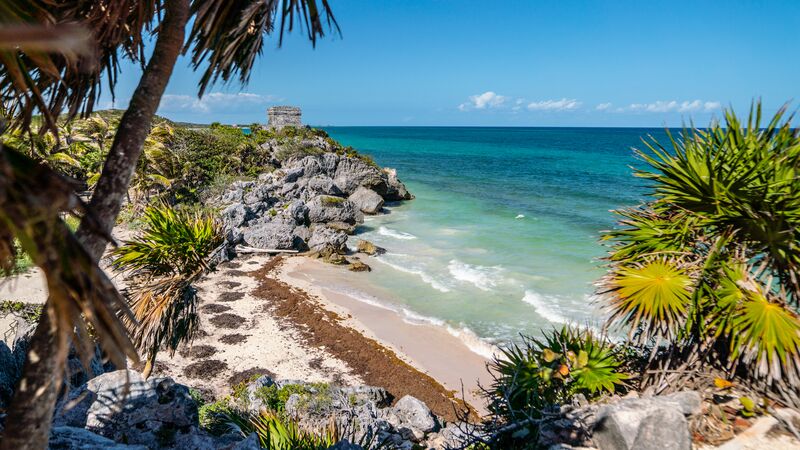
(427, 347)
(263, 315)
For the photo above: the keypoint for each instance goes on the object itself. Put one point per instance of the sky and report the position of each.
(628, 63)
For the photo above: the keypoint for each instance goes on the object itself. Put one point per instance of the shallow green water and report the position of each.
(503, 235)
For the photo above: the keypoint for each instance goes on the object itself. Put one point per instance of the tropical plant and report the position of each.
(83, 304)
(540, 372)
(278, 433)
(709, 265)
(171, 252)
(52, 58)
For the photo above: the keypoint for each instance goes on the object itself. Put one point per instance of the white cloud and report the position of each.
(213, 102)
(555, 105)
(603, 106)
(487, 100)
(665, 106)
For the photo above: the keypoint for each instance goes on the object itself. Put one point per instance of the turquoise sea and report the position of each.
(502, 237)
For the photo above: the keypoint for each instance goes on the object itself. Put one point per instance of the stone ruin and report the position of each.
(282, 116)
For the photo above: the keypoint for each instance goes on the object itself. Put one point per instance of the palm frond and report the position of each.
(32, 199)
(229, 35)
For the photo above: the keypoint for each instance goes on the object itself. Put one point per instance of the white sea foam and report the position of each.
(427, 278)
(520, 216)
(385, 231)
(545, 307)
(484, 278)
(463, 334)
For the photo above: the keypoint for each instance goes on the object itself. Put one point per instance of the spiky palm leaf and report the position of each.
(726, 212)
(162, 262)
(82, 298)
(653, 297)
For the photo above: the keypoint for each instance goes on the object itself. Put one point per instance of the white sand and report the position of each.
(270, 344)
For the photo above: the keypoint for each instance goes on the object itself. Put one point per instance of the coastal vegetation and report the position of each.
(55, 59)
(170, 253)
(705, 274)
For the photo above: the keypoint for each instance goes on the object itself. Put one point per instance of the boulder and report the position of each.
(69, 438)
(326, 208)
(367, 200)
(413, 418)
(354, 172)
(324, 185)
(123, 407)
(643, 423)
(236, 215)
(269, 236)
(368, 248)
(298, 211)
(395, 190)
(293, 174)
(323, 238)
(358, 266)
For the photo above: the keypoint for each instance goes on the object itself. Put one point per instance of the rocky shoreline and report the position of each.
(311, 203)
(265, 343)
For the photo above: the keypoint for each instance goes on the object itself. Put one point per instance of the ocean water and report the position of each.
(503, 236)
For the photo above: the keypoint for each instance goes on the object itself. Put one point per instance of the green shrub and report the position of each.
(275, 398)
(711, 266)
(213, 417)
(539, 373)
(162, 261)
(280, 433)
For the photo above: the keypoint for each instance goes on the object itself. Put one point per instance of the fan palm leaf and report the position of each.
(653, 296)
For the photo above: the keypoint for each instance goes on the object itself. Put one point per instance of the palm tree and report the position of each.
(55, 68)
(711, 264)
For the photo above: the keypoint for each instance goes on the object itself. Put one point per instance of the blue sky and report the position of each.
(514, 63)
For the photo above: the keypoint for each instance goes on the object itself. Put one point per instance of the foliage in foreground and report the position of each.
(541, 373)
(171, 252)
(711, 264)
(33, 199)
(279, 433)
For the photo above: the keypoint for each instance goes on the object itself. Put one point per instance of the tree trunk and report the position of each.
(27, 425)
(112, 187)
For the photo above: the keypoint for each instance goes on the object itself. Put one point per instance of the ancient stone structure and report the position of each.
(281, 116)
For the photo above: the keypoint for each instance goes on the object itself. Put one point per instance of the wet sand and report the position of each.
(429, 348)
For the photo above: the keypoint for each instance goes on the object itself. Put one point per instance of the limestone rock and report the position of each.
(354, 172)
(293, 174)
(368, 248)
(325, 238)
(68, 438)
(298, 211)
(326, 208)
(367, 200)
(646, 423)
(396, 189)
(125, 408)
(270, 235)
(413, 418)
(324, 185)
(236, 215)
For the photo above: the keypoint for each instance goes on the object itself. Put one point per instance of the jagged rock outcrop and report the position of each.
(625, 424)
(313, 186)
(122, 407)
(367, 200)
(327, 208)
(362, 413)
